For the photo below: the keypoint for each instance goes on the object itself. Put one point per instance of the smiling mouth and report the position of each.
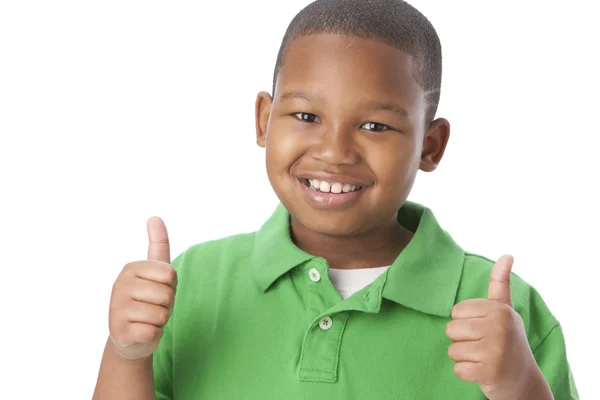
(330, 187)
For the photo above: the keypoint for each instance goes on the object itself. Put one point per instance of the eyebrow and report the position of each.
(375, 105)
(300, 95)
(372, 104)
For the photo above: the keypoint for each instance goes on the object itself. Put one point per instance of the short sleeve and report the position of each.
(551, 357)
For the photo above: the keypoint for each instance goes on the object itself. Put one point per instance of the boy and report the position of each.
(348, 291)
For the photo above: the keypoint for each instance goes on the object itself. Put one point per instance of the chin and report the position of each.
(328, 223)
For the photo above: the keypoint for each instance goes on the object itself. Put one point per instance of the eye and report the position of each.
(375, 127)
(307, 117)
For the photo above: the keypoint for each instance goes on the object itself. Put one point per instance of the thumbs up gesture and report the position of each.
(142, 298)
(490, 346)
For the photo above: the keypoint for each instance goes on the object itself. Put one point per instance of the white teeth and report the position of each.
(335, 187)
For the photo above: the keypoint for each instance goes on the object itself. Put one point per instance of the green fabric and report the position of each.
(246, 322)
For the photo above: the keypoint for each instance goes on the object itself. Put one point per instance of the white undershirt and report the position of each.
(349, 281)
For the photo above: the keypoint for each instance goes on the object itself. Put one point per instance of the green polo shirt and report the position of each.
(255, 317)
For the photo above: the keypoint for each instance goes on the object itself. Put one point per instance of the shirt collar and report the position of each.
(274, 251)
(424, 277)
(427, 273)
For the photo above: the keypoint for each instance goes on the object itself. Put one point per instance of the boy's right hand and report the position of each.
(142, 298)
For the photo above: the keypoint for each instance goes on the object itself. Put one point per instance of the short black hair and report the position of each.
(394, 22)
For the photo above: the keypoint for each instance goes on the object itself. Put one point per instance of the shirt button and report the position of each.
(314, 275)
(325, 323)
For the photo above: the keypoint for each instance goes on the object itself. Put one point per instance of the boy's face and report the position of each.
(348, 117)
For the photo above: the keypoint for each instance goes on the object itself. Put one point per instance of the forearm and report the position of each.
(121, 379)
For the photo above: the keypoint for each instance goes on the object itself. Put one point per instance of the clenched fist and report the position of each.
(490, 344)
(142, 298)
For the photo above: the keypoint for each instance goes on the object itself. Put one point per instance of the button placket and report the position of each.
(321, 349)
(321, 295)
(321, 344)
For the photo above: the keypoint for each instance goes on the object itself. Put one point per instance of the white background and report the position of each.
(114, 111)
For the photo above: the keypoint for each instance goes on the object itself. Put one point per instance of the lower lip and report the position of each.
(322, 200)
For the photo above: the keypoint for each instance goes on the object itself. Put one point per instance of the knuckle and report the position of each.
(172, 275)
(467, 372)
(156, 333)
(458, 371)
(130, 267)
(164, 316)
(449, 328)
(124, 277)
(168, 296)
(452, 351)
(152, 333)
(455, 311)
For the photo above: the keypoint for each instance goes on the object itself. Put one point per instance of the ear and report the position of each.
(434, 144)
(264, 101)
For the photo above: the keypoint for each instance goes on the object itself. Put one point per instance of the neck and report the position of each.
(376, 248)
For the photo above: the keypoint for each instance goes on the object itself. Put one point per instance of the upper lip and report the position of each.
(323, 176)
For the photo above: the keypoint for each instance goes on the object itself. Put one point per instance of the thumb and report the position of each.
(499, 289)
(158, 248)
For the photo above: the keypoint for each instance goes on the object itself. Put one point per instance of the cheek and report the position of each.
(396, 163)
(283, 147)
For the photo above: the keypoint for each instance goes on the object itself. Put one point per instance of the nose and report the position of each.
(336, 146)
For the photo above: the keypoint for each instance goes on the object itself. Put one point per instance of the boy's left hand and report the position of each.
(490, 344)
